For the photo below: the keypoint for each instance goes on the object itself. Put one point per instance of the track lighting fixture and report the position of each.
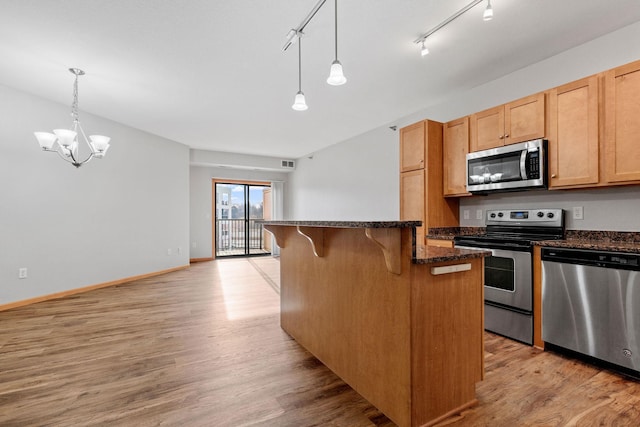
(299, 103)
(336, 75)
(487, 16)
(488, 12)
(424, 50)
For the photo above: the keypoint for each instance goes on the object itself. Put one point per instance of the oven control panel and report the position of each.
(530, 217)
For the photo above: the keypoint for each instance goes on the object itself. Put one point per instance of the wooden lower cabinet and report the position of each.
(440, 243)
(574, 134)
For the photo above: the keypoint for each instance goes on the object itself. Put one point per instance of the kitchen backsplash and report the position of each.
(606, 209)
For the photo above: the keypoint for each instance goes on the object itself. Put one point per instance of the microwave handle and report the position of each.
(523, 164)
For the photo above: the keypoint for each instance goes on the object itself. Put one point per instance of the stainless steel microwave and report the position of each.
(513, 167)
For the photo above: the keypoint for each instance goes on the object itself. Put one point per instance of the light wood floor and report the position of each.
(203, 347)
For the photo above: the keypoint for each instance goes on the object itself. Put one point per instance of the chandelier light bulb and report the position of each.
(488, 12)
(299, 104)
(336, 75)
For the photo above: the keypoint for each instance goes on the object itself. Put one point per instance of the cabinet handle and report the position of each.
(501, 136)
(506, 136)
(553, 175)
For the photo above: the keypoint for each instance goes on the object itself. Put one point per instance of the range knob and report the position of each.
(550, 215)
(492, 215)
(540, 214)
(500, 214)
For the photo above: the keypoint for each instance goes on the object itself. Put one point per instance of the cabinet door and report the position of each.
(573, 134)
(456, 147)
(487, 129)
(622, 124)
(412, 147)
(412, 200)
(524, 119)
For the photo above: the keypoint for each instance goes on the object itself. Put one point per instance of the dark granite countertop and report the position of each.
(347, 224)
(448, 233)
(432, 254)
(615, 241)
(596, 245)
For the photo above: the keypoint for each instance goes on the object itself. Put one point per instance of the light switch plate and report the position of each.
(479, 214)
(578, 212)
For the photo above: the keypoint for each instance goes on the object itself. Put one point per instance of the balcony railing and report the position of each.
(232, 239)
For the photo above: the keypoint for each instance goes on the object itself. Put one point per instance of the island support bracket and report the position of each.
(278, 234)
(389, 241)
(315, 236)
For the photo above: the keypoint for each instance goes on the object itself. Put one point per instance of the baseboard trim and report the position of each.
(88, 288)
(194, 260)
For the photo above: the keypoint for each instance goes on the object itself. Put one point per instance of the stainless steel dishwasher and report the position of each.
(591, 304)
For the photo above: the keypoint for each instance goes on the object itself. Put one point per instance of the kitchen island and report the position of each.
(401, 323)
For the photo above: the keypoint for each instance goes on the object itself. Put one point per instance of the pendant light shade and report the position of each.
(299, 104)
(336, 75)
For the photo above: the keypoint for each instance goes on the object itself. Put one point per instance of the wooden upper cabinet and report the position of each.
(622, 124)
(412, 147)
(524, 119)
(456, 147)
(574, 134)
(517, 121)
(487, 129)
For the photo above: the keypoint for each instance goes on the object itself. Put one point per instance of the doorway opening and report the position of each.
(238, 207)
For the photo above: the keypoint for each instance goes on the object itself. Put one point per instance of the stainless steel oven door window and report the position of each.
(507, 279)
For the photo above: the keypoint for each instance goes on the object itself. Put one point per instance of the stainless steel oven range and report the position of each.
(508, 272)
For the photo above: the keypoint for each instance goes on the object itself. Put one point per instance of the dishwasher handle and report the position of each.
(604, 259)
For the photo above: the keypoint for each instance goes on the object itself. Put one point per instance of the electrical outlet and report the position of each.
(22, 273)
(169, 251)
(465, 214)
(578, 212)
(179, 250)
(478, 213)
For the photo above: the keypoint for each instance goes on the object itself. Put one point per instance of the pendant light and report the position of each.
(299, 103)
(336, 76)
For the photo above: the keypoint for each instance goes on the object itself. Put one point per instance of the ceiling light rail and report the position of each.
(487, 16)
(294, 33)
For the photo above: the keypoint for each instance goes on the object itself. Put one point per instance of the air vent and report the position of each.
(288, 164)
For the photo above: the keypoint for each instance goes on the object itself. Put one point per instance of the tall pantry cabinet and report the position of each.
(421, 186)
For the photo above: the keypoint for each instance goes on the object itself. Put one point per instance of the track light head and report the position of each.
(488, 12)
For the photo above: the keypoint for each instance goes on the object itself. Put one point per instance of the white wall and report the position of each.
(111, 219)
(358, 179)
(353, 180)
(201, 201)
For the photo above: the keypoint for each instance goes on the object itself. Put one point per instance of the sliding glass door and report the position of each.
(238, 206)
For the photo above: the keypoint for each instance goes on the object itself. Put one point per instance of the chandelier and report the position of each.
(65, 141)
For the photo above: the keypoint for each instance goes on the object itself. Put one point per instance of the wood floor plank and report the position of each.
(203, 347)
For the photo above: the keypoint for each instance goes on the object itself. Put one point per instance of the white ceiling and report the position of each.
(212, 74)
